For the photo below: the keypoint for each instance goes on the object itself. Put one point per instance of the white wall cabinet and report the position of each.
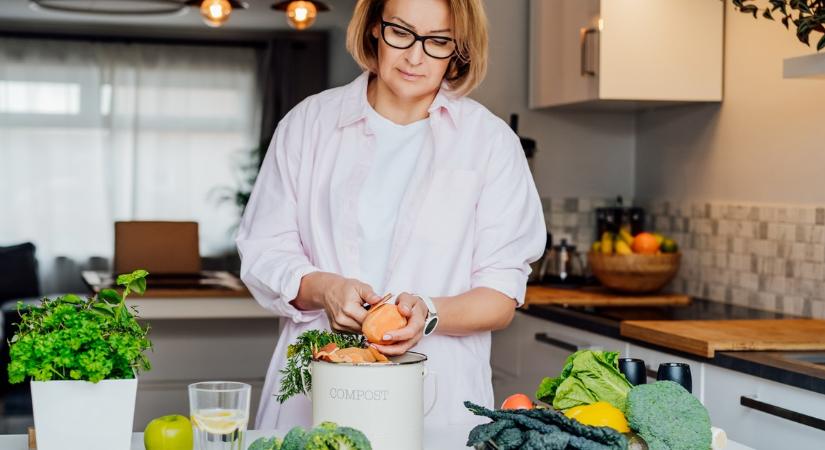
(625, 54)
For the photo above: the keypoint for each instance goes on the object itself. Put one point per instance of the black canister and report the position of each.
(613, 218)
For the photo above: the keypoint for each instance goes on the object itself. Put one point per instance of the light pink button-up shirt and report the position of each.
(471, 217)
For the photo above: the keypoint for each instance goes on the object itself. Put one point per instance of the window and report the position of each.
(91, 133)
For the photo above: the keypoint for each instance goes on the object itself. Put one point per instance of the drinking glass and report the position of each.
(220, 413)
(678, 372)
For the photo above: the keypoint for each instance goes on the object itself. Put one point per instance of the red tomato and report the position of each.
(517, 401)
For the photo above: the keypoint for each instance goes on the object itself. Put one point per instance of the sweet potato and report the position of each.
(379, 357)
(381, 319)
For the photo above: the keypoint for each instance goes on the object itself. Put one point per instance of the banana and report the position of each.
(626, 237)
(607, 243)
(622, 248)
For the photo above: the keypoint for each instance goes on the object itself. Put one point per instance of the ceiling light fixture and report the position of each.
(300, 14)
(111, 7)
(216, 12)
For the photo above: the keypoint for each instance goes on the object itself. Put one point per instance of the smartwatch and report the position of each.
(432, 315)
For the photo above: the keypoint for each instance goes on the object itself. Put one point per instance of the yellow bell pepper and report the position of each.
(599, 414)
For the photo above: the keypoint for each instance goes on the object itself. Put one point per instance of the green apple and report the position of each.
(168, 433)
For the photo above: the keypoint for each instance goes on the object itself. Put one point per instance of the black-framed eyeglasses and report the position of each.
(397, 36)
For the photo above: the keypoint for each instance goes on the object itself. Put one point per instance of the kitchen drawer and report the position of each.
(724, 391)
(653, 358)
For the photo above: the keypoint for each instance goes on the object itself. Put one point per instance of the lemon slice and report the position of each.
(219, 421)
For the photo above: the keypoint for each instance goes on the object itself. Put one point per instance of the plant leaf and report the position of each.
(139, 286)
(109, 296)
(749, 9)
(128, 278)
(767, 14)
(821, 44)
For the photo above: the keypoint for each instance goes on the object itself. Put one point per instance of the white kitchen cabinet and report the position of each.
(625, 54)
(532, 348)
(724, 391)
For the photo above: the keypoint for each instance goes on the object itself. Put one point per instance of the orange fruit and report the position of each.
(646, 244)
(517, 401)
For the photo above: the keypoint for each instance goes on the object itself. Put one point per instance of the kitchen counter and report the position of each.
(441, 438)
(186, 308)
(800, 369)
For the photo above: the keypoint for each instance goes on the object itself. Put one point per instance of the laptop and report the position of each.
(169, 251)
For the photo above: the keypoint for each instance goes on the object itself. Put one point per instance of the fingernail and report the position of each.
(387, 337)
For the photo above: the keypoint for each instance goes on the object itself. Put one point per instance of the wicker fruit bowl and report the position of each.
(635, 273)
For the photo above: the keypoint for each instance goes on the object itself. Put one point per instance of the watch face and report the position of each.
(430, 325)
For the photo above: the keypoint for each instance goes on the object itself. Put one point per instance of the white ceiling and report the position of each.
(17, 14)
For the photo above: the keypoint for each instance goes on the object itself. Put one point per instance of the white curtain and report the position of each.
(91, 133)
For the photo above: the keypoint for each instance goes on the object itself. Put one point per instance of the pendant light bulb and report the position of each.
(215, 12)
(301, 14)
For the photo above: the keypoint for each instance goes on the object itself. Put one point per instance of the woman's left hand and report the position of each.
(414, 309)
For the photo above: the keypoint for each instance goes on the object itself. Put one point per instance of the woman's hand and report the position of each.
(414, 309)
(341, 298)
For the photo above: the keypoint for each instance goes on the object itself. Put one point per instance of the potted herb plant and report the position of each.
(82, 357)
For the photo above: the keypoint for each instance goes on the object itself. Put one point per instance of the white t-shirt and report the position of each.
(397, 149)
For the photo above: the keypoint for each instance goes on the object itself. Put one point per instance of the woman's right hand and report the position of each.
(341, 298)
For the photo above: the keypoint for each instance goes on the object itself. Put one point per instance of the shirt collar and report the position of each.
(355, 106)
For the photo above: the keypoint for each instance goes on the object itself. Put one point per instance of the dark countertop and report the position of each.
(770, 365)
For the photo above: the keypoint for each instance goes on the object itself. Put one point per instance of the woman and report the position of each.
(397, 183)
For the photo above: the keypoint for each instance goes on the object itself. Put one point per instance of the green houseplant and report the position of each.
(806, 15)
(82, 357)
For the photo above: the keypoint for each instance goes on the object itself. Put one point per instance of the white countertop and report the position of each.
(445, 438)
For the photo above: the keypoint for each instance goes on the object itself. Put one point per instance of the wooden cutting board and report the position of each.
(544, 295)
(705, 337)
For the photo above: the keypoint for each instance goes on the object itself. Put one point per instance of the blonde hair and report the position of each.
(467, 67)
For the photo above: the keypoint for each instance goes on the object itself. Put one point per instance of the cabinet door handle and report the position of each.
(558, 343)
(778, 411)
(583, 34)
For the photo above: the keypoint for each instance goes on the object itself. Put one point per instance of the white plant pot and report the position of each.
(79, 415)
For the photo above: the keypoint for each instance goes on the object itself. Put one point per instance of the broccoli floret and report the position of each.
(326, 436)
(351, 439)
(266, 444)
(295, 439)
(667, 417)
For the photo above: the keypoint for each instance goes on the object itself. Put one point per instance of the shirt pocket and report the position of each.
(449, 207)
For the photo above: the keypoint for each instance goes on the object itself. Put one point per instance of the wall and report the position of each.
(739, 184)
(764, 143)
(580, 154)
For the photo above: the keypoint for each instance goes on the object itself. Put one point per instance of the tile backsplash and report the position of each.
(770, 257)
